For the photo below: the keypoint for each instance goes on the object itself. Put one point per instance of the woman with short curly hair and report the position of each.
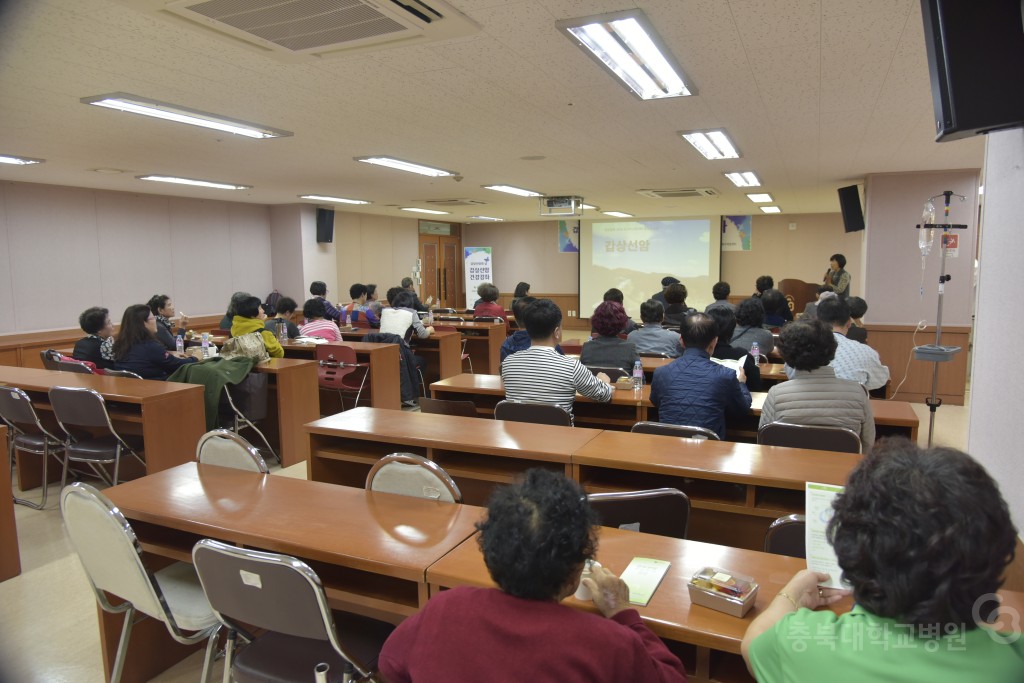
(749, 327)
(607, 350)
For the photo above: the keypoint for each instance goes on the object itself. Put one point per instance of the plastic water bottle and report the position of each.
(206, 344)
(282, 330)
(755, 352)
(179, 344)
(638, 376)
(430, 316)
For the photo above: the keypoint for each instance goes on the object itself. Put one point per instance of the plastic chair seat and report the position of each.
(185, 597)
(101, 447)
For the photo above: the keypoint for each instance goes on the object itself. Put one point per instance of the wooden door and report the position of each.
(451, 272)
(441, 264)
(429, 248)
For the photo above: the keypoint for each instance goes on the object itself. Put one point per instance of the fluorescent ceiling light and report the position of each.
(627, 45)
(486, 218)
(617, 214)
(713, 144)
(337, 200)
(400, 165)
(19, 161)
(771, 209)
(439, 213)
(171, 112)
(192, 181)
(512, 190)
(588, 207)
(743, 179)
(760, 198)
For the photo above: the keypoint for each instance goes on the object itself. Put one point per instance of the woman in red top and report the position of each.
(488, 294)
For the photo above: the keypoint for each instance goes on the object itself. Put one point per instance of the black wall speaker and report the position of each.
(325, 225)
(849, 202)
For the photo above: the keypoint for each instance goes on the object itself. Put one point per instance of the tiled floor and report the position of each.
(48, 631)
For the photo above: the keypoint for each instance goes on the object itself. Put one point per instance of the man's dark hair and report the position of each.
(521, 289)
(774, 302)
(318, 288)
(286, 305)
(750, 313)
(614, 294)
(356, 291)
(834, 311)
(236, 299)
(668, 280)
(721, 291)
(250, 308)
(371, 290)
(609, 318)
(858, 307)
(838, 258)
(393, 294)
(93, 319)
(537, 534)
(676, 293)
(487, 291)
(404, 299)
(156, 302)
(922, 535)
(725, 320)
(406, 282)
(764, 283)
(807, 344)
(541, 318)
(313, 308)
(698, 330)
(651, 311)
(520, 305)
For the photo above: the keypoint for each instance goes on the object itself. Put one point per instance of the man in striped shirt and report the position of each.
(540, 374)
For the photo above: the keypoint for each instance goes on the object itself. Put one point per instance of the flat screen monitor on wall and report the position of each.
(975, 59)
(849, 203)
(324, 225)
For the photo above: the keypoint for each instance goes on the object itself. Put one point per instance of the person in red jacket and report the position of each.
(535, 539)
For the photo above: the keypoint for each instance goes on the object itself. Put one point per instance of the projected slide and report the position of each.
(635, 255)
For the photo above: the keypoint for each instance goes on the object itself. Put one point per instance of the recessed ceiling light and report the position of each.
(626, 44)
(743, 179)
(771, 209)
(439, 213)
(760, 197)
(19, 161)
(512, 190)
(713, 144)
(617, 214)
(171, 112)
(588, 207)
(337, 200)
(486, 218)
(402, 165)
(192, 181)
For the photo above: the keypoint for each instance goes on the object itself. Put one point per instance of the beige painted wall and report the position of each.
(377, 249)
(526, 252)
(64, 249)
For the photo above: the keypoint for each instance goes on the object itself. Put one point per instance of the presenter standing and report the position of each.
(836, 278)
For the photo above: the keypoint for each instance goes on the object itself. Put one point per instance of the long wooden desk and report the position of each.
(478, 454)
(168, 415)
(10, 558)
(443, 351)
(382, 384)
(371, 550)
(294, 385)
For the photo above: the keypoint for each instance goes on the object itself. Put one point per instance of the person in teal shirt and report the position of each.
(923, 537)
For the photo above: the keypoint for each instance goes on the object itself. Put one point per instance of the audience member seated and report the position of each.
(317, 325)
(540, 373)
(665, 283)
(776, 308)
(811, 309)
(409, 286)
(857, 331)
(97, 346)
(762, 285)
(721, 292)
(392, 293)
(677, 309)
(137, 349)
(750, 327)
(814, 395)
(225, 322)
(249, 318)
(371, 293)
(488, 306)
(401, 318)
(536, 537)
(285, 307)
(924, 538)
(725, 321)
(607, 349)
(615, 294)
(358, 309)
(318, 290)
(652, 337)
(694, 390)
(522, 290)
(520, 339)
(163, 308)
(853, 360)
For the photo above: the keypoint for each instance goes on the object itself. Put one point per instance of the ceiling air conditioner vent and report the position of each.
(453, 202)
(682, 193)
(297, 29)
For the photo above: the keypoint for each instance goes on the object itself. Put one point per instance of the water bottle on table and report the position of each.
(179, 344)
(638, 376)
(206, 344)
(282, 331)
(755, 353)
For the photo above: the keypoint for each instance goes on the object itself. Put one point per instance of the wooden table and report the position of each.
(371, 550)
(10, 558)
(478, 454)
(483, 343)
(736, 490)
(382, 383)
(294, 384)
(168, 415)
(443, 351)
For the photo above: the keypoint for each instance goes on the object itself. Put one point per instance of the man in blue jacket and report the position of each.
(695, 391)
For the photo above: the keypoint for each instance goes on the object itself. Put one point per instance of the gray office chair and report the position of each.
(408, 474)
(28, 435)
(665, 512)
(122, 373)
(682, 431)
(785, 536)
(838, 439)
(529, 411)
(65, 365)
(227, 449)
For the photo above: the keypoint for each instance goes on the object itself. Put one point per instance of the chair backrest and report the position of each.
(228, 449)
(665, 512)
(249, 397)
(449, 318)
(785, 536)
(444, 310)
(409, 474)
(249, 587)
(437, 406)
(109, 550)
(487, 319)
(838, 439)
(528, 411)
(682, 431)
(16, 408)
(613, 373)
(73, 366)
(336, 363)
(122, 373)
(50, 358)
(79, 407)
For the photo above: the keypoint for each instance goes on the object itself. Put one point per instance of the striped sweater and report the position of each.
(540, 374)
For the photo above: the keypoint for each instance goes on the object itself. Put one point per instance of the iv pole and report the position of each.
(936, 353)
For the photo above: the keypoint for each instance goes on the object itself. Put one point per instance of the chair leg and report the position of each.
(360, 392)
(64, 472)
(211, 651)
(122, 646)
(117, 463)
(229, 654)
(341, 399)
